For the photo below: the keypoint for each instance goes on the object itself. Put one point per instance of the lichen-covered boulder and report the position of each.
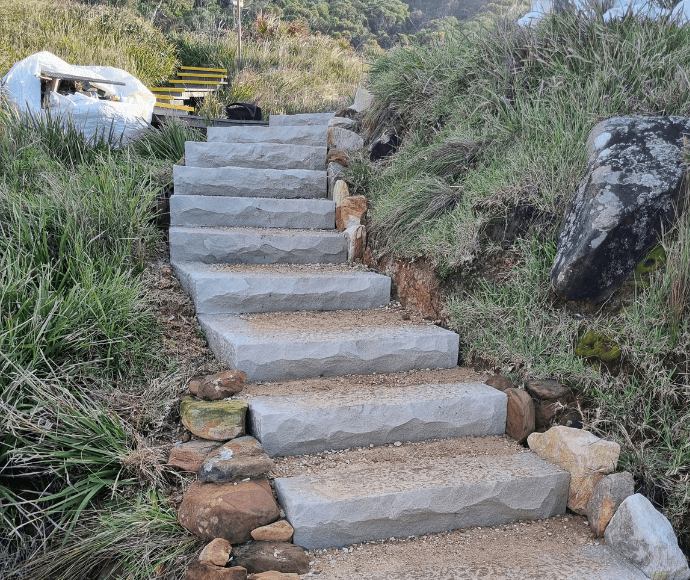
(214, 420)
(628, 195)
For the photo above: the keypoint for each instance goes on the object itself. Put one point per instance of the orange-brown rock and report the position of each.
(351, 211)
(337, 156)
(608, 494)
(216, 552)
(520, 417)
(227, 510)
(273, 575)
(219, 386)
(581, 453)
(259, 557)
(276, 532)
(190, 456)
(549, 390)
(500, 382)
(207, 571)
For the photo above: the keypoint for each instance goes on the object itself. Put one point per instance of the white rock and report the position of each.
(343, 139)
(646, 538)
(340, 192)
(363, 100)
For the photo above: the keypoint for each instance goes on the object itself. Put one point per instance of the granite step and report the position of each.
(251, 212)
(301, 119)
(283, 346)
(315, 422)
(238, 289)
(244, 182)
(420, 495)
(255, 155)
(256, 246)
(310, 135)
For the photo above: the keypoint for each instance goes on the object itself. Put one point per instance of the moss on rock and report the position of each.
(597, 344)
(654, 260)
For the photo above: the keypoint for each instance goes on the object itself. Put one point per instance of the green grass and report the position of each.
(495, 119)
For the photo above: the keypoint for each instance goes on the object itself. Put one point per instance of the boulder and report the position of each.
(500, 382)
(608, 494)
(334, 172)
(626, 198)
(645, 537)
(227, 510)
(218, 386)
(350, 212)
(189, 456)
(356, 236)
(280, 531)
(581, 453)
(207, 571)
(216, 552)
(340, 192)
(343, 139)
(259, 557)
(273, 575)
(343, 123)
(544, 413)
(549, 390)
(363, 100)
(237, 459)
(215, 420)
(520, 417)
(337, 156)
(384, 146)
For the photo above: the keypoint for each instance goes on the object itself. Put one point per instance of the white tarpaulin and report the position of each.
(126, 116)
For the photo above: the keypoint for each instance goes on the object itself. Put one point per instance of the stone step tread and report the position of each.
(393, 499)
(314, 422)
(256, 245)
(236, 289)
(281, 346)
(258, 212)
(300, 119)
(255, 155)
(312, 135)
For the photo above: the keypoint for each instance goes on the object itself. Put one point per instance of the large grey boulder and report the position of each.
(645, 537)
(627, 197)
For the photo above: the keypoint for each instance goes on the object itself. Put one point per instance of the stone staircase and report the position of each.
(253, 242)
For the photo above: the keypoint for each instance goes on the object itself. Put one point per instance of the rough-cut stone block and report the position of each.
(310, 135)
(218, 291)
(314, 422)
(520, 418)
(256, 246)
(301, 119)
(356, 236)
(343, 139)
(237, 459)
(645, 537)
(241, 182)
(581, 453)
(189, 456)
(251, 212)
(350, 212)
(276, 532)
(228, 510)
(207, 571)
(340, 192)
(259, 557)
(314, 352)
(254, 155)
(214, 420)
(608, 494)
(217, 552)
(362, 503)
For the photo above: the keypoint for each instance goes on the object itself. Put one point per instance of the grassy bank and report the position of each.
(495, 120)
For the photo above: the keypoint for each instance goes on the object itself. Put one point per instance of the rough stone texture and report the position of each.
(645, 537)
(207, 571)
(581, 453)
(549, 390)
(343, 139)
(350, 212)
(298, 354)
(334, 172)
(241, 182)
(237, 459)
(340, 193)
(217, 420)
(276, 532)
(500, 382)
(356, 236)
(226, 510)
(301, 119)
(608, 494)
(219, 386)
(363, 100)
(544, 413)
(339, 157)
(189, 456)
(520, 419)
(216, 552)
(251, 212)
(256, 246)
(361, 503)
(343, 123)
(313, 422)
(627, 197)
(254, 155)
(259, 557)
(310, 135)
(217, 291)
(273, 575)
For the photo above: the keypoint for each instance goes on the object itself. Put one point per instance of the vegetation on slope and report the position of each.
(495, 121)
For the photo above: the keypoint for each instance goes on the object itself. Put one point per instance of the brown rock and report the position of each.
(337, 156)
(520, 418)
(500, 382)
(581, 453)
(571, 418)
(207, 571)
(215, 420)
(190, 456)
(216, 552)
(544, 413)
(226, 510)
(276, 532)
(237, 459)
(549, 390)
(273, 575)
(608, 494)
(351, 211)
(218, 386)
(356, 236)
(259, 557)
(194, 385)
